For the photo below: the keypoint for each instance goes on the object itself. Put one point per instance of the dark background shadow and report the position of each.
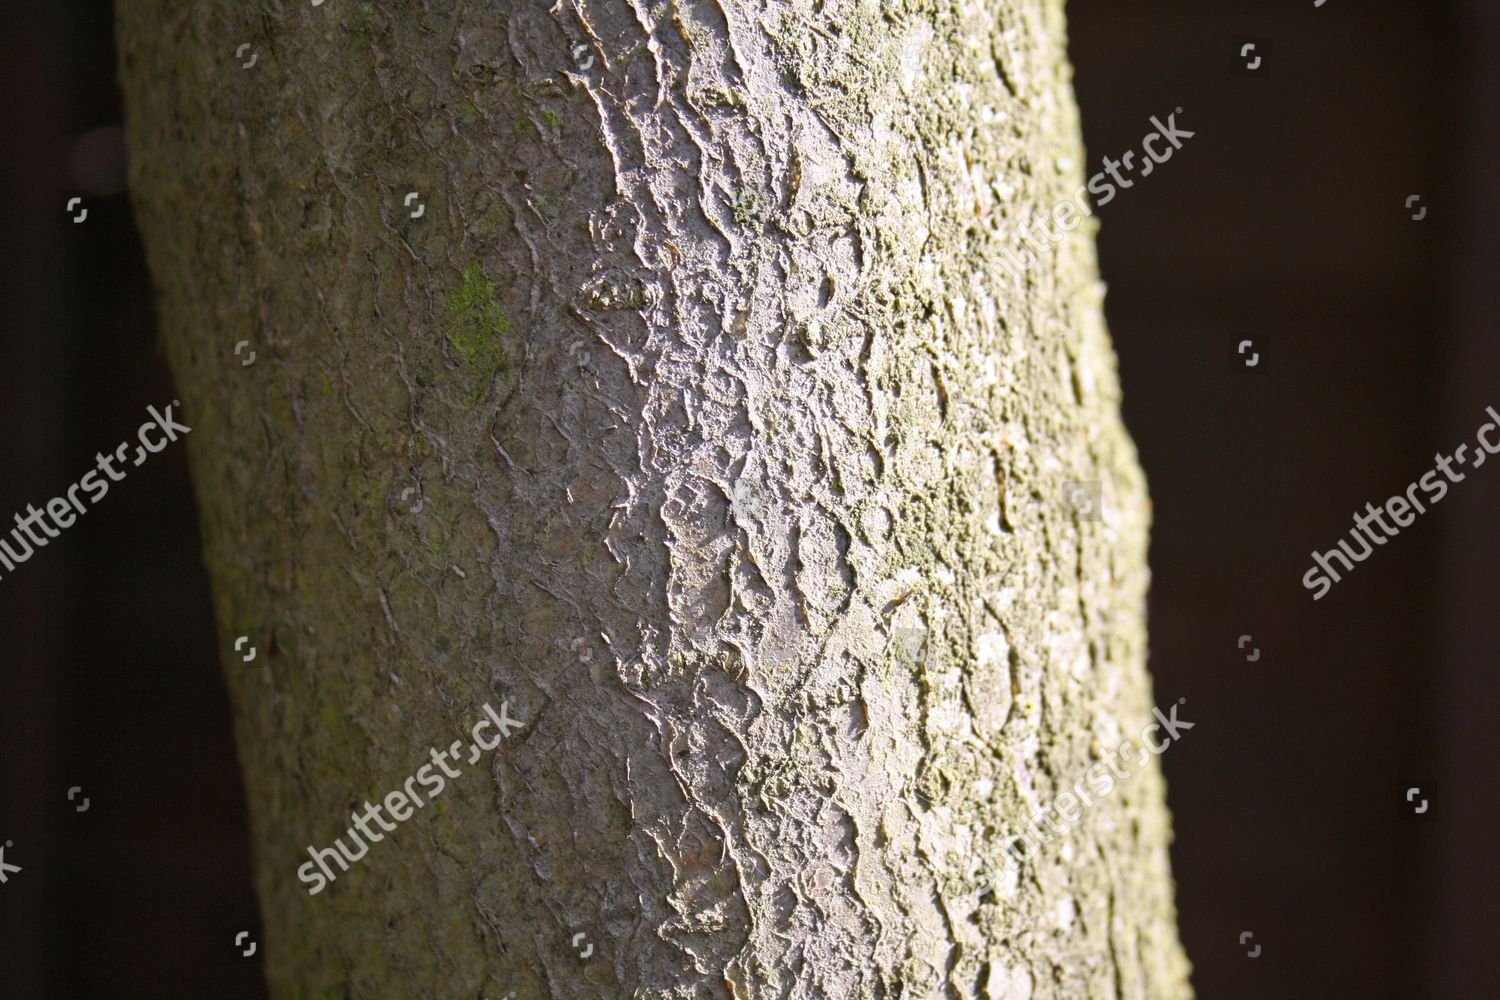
(110, 679)
(1284, 218)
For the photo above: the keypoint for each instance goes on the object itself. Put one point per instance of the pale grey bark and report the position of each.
(693, 386)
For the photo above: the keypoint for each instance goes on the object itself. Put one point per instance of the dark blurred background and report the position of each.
(1284, 218)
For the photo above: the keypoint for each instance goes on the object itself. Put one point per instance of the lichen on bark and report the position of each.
(696, 387)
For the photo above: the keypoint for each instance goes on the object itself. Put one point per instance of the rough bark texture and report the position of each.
(691, 388)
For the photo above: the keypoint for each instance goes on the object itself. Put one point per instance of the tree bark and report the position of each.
(692, 403)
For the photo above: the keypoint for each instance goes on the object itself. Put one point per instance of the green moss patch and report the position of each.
(477, 325)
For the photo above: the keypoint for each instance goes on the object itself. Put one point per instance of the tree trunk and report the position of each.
(680, 405)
